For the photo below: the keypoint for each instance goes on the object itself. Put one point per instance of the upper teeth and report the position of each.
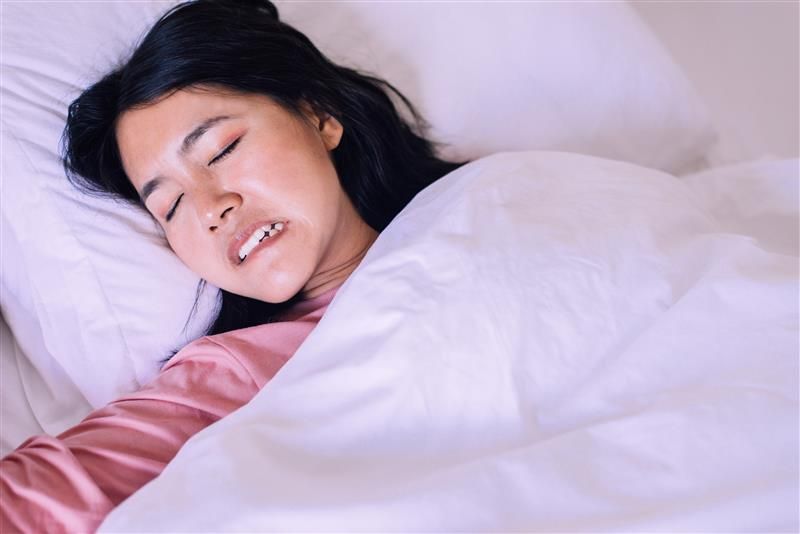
(258, 236)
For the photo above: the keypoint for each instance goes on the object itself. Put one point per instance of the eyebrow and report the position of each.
(187, 144)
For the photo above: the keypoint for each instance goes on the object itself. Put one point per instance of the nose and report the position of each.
(215, 208)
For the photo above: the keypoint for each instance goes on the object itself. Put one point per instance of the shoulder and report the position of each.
(203, 358)
(205, 376)
(260, 350)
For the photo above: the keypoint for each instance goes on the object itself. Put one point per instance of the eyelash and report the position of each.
(216, 159)
(225, 152)
(171, 212)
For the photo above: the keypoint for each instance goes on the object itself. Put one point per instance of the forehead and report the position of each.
(148, 134)
(184, 108)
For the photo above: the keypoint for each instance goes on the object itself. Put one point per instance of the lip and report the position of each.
(240, 237)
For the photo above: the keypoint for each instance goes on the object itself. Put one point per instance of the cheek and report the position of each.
(189, 250)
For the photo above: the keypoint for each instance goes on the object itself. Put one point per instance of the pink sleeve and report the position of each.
(70, 483)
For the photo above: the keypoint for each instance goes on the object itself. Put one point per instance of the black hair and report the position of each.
(382, 159)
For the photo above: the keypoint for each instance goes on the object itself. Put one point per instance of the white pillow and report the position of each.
(90, 289)
(496, 76)
(92, 293)
(18, 419)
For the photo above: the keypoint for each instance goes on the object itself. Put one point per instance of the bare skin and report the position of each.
(250, 164)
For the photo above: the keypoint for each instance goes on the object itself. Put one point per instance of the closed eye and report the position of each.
(171, 212)
(216, 159)
(225, 152)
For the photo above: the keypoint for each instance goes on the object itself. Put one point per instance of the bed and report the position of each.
(591, 327)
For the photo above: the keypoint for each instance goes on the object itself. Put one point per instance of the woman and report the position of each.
(271, 172)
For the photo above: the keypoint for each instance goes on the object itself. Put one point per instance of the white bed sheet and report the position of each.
(541, 341)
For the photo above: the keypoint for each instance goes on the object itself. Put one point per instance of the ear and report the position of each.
(329, 128)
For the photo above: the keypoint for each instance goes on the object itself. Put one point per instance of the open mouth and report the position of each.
(261, 235)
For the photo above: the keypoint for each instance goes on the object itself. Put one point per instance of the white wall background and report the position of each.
(742, 57)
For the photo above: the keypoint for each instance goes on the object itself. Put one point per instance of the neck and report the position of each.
(335, 276)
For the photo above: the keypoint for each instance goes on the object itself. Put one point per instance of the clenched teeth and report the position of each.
(265, 232)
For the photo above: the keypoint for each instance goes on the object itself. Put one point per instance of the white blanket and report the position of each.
(539, 341)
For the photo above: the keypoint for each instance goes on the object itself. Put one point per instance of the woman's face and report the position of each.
(246, 191)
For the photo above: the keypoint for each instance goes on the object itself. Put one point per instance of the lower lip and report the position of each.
(266, 242)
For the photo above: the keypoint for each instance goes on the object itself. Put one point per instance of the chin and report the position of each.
(278, 291)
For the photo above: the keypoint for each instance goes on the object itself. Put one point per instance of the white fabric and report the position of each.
(498, 76)
(18, 421)
(91, 292)
(541, 341)
(755, 198)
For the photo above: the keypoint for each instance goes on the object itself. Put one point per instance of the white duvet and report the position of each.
(539, 341)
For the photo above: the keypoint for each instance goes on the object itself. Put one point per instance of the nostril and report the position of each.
(213, 228)
(222, 216)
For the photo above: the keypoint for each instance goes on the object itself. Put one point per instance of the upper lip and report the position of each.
(242, 235)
